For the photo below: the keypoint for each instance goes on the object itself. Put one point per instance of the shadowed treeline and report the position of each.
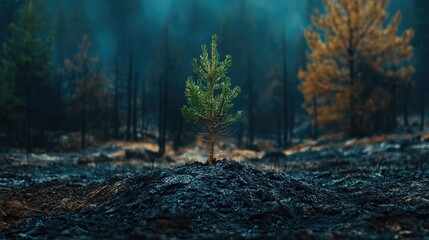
(117, 69)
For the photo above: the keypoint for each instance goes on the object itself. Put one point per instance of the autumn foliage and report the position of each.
(89, 85)
(358, 64)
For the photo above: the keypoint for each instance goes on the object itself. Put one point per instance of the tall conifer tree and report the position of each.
(353, 65)
(27, 73)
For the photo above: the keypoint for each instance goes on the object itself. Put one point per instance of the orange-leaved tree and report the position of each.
(356, 66)
(89, 85)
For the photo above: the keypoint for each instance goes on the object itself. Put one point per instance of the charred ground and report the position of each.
(355, 189)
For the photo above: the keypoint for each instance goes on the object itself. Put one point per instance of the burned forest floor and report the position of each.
(375, 187)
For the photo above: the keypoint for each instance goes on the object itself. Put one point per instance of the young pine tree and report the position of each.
(210, 97)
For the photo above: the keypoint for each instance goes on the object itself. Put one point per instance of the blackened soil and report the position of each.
(227, 200)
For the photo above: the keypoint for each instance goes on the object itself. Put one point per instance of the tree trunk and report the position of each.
(116, 110)
(422, 111)
(29, 127)
(105, 125)
(143, 107)
(351, 53)
(394, 106)
(250, 105)
(212, 124)
(279, 130)
(212, 143)
(161, 143)
(315, 125)
(42, 142)
(291, 120)
(135, 85)
(406, 93)
(162, 126)
(285, 95)
(83, 133)
(129, 92)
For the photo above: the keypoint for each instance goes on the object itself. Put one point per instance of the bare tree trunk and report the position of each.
(116, 110)
(143, 106)
(422, 108)
(394, 106)
(251, 106)
(105, 124)
(83, 130)
(161, 143)
(163, 101)
(279, 130)
(162, 128)
(285, 95)
(351, 52)
(135, 85)
(291, 120)
(315, 125)
(406, 96)
(129, 92)
(29, 127)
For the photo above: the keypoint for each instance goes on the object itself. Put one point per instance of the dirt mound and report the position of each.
(227, 199)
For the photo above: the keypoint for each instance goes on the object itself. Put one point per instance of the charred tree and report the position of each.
(163, 96)
(162, 113)
(129, 96)
(285, 94)
(83, 126)
(116, 101)
(421, 24)
(143, 106)
(291, 118)
(135, 88)
(405, 106)
(250, 105)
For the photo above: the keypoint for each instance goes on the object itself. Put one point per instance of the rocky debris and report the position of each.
(13, 208)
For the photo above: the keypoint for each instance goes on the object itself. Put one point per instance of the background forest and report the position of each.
(108, 69)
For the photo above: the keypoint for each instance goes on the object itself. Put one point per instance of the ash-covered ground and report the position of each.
(356, 189)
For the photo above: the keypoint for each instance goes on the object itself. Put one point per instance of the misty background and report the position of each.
(167, 34)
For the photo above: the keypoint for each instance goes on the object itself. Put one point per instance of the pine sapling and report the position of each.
(209, 98)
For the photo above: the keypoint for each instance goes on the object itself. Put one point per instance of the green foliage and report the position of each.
(27, 55)
(27, 67)
(210, 97)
